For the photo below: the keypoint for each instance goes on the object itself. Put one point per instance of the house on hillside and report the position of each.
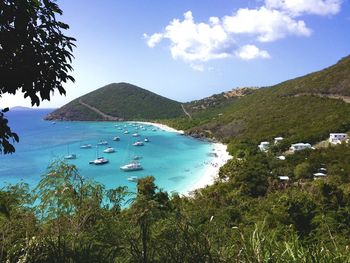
(264, 146)
(300, 146)
(337, 138)
(283, 178)
(278, 139)
(319, 175)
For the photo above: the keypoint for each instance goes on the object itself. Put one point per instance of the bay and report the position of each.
(177, 162)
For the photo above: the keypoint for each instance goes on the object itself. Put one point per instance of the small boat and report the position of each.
(126, 132)
(109, 150)
(85, 146)
(116, 138)
(102, 143)
(154, 129)
(70, 156)
(138, 143)
(146, 140)
(136, 135)
(137, 157)
(99, 161)
(133, 166)
(133, 179)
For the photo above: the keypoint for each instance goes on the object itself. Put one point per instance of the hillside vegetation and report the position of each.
(121, 101)
(292, 109)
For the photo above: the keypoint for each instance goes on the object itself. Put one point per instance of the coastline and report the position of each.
(158, 125)
(211, 169)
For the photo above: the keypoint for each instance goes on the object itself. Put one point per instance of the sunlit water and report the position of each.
(177, 162)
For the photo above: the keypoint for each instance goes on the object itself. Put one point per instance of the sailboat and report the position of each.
(70, 156)
(102, 142)
(109, 150)
(134, 165)
(85, 146)
(99, 160)
(138, 143)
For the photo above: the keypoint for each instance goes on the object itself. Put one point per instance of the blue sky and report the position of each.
(189, 49)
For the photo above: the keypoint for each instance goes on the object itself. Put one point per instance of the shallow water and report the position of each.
(176, 161)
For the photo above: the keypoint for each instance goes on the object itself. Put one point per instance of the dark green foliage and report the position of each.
(333, 80)
(6, 135)
(35, 55)
(75, 220)
(123, 101)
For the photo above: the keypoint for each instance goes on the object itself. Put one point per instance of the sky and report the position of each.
(190, 49)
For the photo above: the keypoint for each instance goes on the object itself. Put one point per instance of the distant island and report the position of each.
(18, 108)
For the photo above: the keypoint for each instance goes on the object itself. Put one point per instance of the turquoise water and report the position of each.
(177, 162)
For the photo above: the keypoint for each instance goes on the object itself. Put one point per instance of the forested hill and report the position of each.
(119, 101)
(334, 80)
(307, 109)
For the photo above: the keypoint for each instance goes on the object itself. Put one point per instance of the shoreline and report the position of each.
(158, 125)
(211, 169)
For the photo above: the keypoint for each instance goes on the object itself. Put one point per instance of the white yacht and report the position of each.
(109, 150)
(136, 135)
(138, 143)
(126, 132)
(133, 166)
(102, 142)
(85, 146)
(70, 156)
(133, 179)
(99, 161)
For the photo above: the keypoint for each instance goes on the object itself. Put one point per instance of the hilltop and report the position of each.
(307, 108)
(118, 101)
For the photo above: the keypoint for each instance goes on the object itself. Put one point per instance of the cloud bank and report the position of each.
(219, 38)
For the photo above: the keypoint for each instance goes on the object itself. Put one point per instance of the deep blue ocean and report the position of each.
(177, 162)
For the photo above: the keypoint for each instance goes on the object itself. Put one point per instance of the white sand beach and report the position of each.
(212, 169)
(159, 125)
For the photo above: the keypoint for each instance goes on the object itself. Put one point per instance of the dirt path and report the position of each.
(185, 111)
(104, 115)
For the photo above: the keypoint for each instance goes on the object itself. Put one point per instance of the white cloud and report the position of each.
(268, 25)
(218, 38)
(195, 42)
(153, 40)
(300, 7)
(249, 52)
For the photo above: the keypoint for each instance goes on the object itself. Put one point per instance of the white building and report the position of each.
(264, 146)
(337, 138)
(319, 175)
(283, 178)
(278, 139)
(300, 146)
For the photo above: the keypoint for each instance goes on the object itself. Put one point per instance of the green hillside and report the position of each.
(293, 109)
(121, 101)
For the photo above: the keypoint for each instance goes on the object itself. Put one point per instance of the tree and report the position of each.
(35, 55)
(302, 171)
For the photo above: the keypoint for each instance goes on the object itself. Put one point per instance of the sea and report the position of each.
(176, 161)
